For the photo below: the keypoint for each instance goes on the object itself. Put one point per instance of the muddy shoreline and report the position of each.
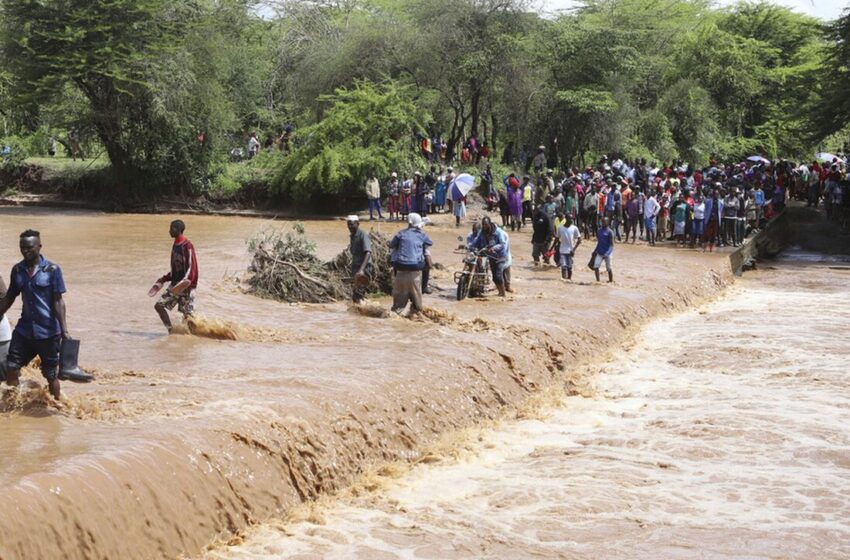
(199, 447)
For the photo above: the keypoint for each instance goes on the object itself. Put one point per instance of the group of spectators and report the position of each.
(717, 205)
(416, 193)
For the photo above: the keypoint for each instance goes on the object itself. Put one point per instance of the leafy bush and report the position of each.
(368, 127)
(12, 153)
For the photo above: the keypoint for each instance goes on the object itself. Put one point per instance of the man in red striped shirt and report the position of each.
(182, 279)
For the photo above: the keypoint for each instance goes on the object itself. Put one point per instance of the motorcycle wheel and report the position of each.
(463, 286)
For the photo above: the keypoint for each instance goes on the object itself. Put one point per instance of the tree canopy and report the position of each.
(168, 89)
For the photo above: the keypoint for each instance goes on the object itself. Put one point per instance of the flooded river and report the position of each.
(722, 433)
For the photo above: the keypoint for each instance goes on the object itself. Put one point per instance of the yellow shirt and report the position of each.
(526, 193)
(558, 223)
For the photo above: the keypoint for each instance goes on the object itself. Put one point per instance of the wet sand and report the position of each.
(184, 439)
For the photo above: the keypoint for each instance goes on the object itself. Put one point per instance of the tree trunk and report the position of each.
(493, 133)
(475, 105)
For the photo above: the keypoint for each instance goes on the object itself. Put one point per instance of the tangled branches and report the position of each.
(285, 267)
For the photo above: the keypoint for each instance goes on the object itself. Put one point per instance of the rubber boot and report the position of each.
(69, 362)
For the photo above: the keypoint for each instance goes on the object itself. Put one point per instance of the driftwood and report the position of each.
(285, 267)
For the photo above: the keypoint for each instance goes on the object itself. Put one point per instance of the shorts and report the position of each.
(650, 223)
(22, 350)
(184, 302)
(539, 250)
(566, 261)
(597, 262)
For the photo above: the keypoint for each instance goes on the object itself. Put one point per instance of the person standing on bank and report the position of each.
(361, 259)
(409, 248)
(373, 194)
(569, 239)
(604, 250)
(42, 325)
(183, 277)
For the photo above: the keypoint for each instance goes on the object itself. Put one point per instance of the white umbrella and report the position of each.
(461, 186)
(827, 157)
(758, 159)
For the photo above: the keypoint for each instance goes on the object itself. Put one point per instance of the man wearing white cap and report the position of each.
(361, 258)
(409, 248)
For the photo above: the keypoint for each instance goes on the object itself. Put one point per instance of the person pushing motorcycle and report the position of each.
(495, 243)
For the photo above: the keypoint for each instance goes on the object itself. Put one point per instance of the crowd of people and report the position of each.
(614, 200)
(717, 205)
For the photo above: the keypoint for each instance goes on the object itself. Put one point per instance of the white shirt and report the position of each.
(699, 210)
(5, 330)
(568, 236)
(651, 207)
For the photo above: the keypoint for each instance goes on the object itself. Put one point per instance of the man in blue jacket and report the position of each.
(495, 241)
(409, 247)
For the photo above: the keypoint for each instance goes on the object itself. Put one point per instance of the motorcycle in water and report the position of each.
(474, 279)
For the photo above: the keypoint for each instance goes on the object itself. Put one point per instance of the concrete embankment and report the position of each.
(184, 441)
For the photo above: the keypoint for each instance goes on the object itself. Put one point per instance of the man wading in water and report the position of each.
(361, 258)
(183, 277)
(409, 247)
(42, 325)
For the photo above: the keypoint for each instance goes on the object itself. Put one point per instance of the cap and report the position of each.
(394, 174)
(450, 168)
(417, 173)
(414, 220)
(352, 218)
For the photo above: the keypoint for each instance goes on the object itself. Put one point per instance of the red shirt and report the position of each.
(184, 263)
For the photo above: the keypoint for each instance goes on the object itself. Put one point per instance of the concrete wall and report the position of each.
(768, 242)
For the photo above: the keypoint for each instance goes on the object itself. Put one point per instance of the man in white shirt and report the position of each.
(5, 335)
(569, 238)
(651, 208)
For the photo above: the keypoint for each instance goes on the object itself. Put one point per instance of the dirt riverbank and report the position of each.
(183, 440)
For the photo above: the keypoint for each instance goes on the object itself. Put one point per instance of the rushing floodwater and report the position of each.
(723, 433)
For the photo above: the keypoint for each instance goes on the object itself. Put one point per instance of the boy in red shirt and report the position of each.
(183, 277)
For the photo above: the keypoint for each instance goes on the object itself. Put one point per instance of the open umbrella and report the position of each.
(461, 186)
(826, 156)
(758, 159)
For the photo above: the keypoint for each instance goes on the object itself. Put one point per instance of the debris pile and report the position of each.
(285, 267)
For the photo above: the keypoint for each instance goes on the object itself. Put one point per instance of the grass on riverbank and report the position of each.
(59, 166)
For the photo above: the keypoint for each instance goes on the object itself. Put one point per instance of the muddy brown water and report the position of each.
(721, 433)
(184, 439)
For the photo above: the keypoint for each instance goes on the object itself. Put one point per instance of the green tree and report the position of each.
(832, 113)
(368, 127)
(150, 71)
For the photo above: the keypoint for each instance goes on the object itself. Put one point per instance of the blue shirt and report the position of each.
(604, 241)
(408, 247)
(498, 242)
(38, 317)
(611, 200)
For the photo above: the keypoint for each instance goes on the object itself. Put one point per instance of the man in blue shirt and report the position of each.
(42, 325)
(604, 250)
(409, 250)
(495, 241)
